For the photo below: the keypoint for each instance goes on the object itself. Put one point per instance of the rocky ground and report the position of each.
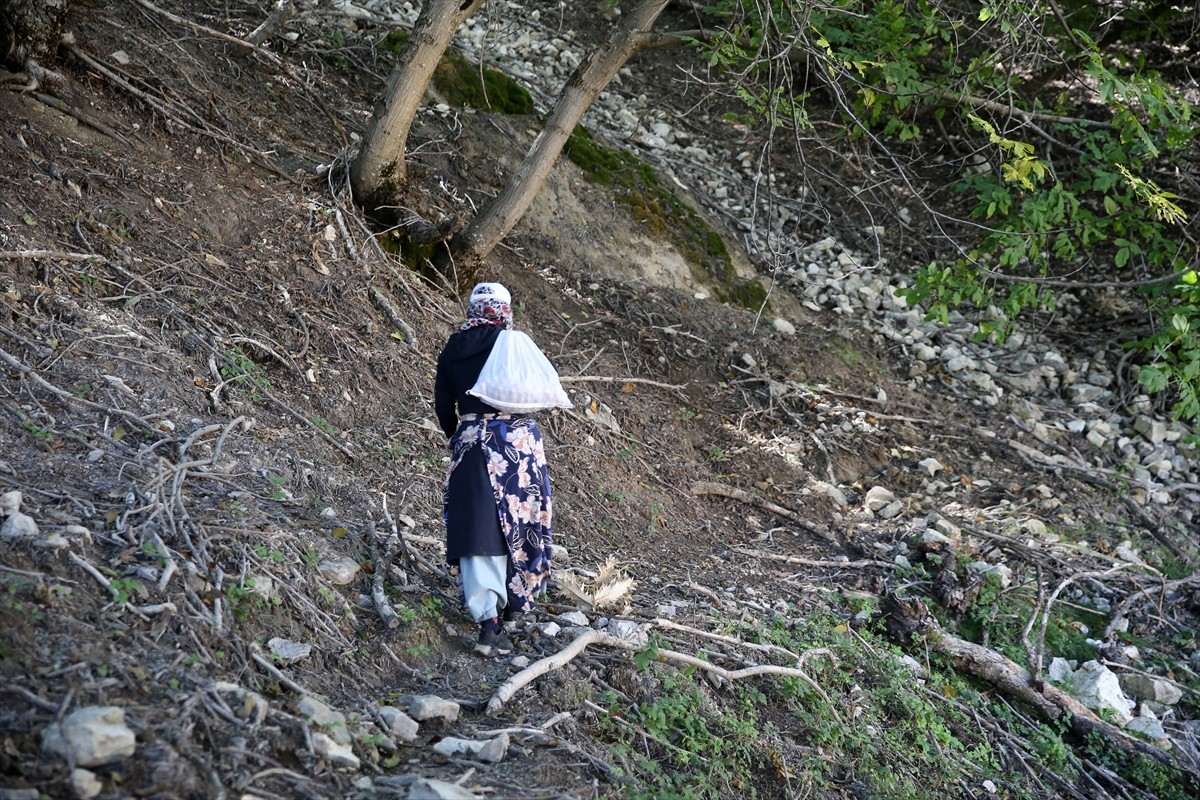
(218, 465)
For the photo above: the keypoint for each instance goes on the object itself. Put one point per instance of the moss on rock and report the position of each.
(465, 84)
(664, 214)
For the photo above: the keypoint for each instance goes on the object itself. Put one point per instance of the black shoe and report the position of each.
(493, 641)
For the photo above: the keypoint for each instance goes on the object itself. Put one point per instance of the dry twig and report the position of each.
(702, 488)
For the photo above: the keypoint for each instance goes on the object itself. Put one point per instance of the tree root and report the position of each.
(506, 690)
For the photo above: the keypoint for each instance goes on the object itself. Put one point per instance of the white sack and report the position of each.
(518, 377)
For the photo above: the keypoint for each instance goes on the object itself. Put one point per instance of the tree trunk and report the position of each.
(477, 240)
(379, 168)
(30, 30)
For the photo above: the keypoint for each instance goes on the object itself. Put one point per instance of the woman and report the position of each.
(497, 501)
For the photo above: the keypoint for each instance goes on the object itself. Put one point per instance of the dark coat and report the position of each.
(472, 518)
(458, 368)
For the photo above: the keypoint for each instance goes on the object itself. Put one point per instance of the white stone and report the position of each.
(287, 651)
(519, 662)
(262, 585)
(1034, 527)
(121, 57)
(959, 363)
(575, 618)
(783, 326)
(324, 717)
(85, 784)
(18, 526)
(1126, 552)
(832, 492)
(431, 789)
(1148, 687)
(878, 497)
(399, 724)
(1154, 431)
(931, 466)
(891, 510)
(948, 528)
(1076, 426)
(1060, 669)
(10, 502)
(1161, 468)
(339, 571)
(930, 536)
(628, 631)
(1085, 393)
(1098, 688)
(339, 755)
(424, 707)
(547, 629)
(1149, 727)
(91, 736)
(491, 751)
(923, 352)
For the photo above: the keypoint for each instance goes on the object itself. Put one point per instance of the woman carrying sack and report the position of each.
(497, 499)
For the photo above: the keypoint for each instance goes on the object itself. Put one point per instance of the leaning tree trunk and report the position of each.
(30, 31)
(475, 241)
(379, 168)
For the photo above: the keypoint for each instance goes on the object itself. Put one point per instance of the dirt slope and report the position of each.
(204, 399)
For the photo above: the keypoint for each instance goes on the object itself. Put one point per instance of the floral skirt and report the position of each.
(514, 463)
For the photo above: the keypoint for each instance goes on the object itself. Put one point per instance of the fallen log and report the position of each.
(908, 620)
(383, 564)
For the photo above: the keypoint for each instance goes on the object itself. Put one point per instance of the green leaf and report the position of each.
(1153, 378)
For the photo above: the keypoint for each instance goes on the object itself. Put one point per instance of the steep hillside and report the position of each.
(221, 481)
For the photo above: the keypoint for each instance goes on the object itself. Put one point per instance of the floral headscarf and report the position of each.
(490, 304)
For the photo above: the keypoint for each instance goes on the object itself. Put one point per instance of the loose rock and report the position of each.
(429, 789)
(85, 784)
(424, 707)
(1147, 687)
(325, 718)
(1098, 688)
(399, 724)
(10, 502)
(339, 571)
(338, 754)
(91, 736)
(491, 751)
(628, 631)
(878, 497)
(18, 526)
(575, 618)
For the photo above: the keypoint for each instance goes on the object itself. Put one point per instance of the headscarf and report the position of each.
(490, 304)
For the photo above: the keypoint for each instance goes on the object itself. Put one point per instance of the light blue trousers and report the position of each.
(484, 588)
